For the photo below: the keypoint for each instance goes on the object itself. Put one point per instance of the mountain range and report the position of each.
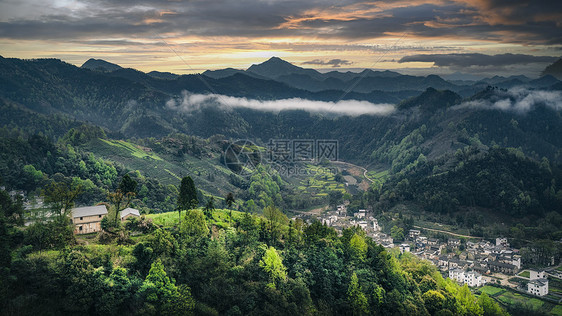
(50, 96)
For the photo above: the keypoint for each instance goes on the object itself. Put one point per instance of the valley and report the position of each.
(294, 203)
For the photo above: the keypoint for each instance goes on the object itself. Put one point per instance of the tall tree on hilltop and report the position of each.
(187, 198)
(210, 207)
(229, 200)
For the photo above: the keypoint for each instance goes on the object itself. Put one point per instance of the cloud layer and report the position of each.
(190, 103)
(517, 21)
(518, 100)
(475, 59)
(335, 63)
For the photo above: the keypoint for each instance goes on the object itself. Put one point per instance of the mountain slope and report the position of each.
(555, 69)
(100, 65)
(276, 67)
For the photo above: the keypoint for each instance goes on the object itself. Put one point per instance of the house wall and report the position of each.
(87, 224)
(127, 216)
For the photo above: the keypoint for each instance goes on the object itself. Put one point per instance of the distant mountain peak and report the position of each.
(100, 65)
(431, 100)
(276, 67)
(555, 69)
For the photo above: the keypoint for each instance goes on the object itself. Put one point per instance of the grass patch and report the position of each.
(221, 217)
(557, 310)
(491, 290)
(525, 274)
(132, 149)
(511, 298)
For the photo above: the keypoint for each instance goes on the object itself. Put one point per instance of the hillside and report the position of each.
(100, 65)
(133, 109)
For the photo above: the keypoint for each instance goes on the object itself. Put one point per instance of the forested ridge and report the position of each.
(204, 266)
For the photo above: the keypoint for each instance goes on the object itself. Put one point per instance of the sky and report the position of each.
(478, 37)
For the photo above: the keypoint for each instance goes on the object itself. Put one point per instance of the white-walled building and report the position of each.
(404, 248)
(362, 224)
(376, 226)
(456, 274)
(535, 275)
(360, 214)
(538, 287)
(470, 278)
(473, 279)
(413, 234)
(502, 242)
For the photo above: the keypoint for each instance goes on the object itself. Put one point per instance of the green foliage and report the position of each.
(490, 307)
(500, 179)
(397, 233)
(356, 298)
(61, 196)
(265, 187)
(229, 199)
(187, 198)
(161, 296)
(194, 225)
(358, 248)
(273, 266)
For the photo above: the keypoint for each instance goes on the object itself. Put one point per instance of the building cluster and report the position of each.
(482, 257)
(339, 220)
(471, 263)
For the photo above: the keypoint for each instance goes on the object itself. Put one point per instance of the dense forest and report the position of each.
(253, 266)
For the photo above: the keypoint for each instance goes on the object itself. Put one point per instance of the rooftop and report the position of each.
(89, 211)
(131, 211)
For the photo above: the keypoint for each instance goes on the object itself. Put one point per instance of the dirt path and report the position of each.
(316, 211)
(356, 171)
(354, 166)
(446, 232)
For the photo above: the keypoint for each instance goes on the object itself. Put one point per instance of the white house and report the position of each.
(502, 242)
(129, 212)
(360, 214)
(538, 287)
(404, 248)
(516, 261)
(376, 226)
(413, 234)
(473, 279)
(470, 278)
(87, 219)
(453, 242)
(535, 275)
(456, 274)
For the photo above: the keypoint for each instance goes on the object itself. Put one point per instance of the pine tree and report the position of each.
(187, 198)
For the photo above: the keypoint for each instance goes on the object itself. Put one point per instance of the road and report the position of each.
(446, 232)
(354, 166)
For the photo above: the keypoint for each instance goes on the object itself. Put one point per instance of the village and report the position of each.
(475, 263)
(471, 262)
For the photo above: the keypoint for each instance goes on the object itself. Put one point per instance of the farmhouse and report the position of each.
(538, 287)
(88, 219)
(129, 212)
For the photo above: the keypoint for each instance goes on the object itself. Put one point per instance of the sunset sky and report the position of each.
(417, 36)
